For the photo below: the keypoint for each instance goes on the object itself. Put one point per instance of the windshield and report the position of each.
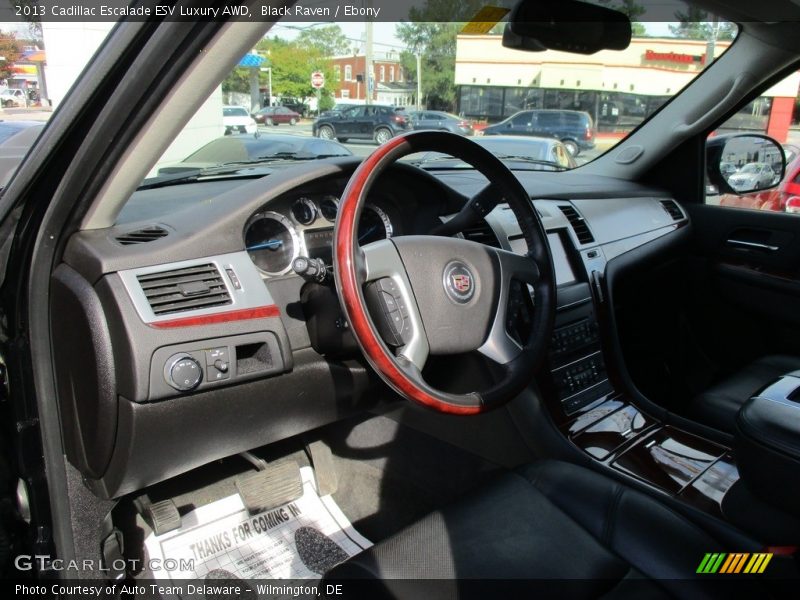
(380, 79)
(359, 83)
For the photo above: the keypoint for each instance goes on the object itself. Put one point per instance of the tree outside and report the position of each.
(694, 25)
(10, 50)
(292, 62)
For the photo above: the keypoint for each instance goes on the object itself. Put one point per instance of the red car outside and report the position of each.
(783, 198)
(275, 115)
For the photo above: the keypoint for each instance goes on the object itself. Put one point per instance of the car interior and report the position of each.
(589, 375)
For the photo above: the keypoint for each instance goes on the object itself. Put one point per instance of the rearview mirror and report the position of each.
(742, 163)
(566, 25)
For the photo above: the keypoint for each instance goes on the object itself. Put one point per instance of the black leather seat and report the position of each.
(718, 405)
(549, 521)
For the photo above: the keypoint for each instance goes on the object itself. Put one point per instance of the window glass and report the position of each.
(776, 114)
(523, 119)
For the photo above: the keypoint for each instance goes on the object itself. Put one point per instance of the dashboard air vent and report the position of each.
(672, 209)
(578, 225)
(189, 288)
(483, 234)
(140, 236)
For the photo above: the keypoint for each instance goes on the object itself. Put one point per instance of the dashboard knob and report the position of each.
(183, 372)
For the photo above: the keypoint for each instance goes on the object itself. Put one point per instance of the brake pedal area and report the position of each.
(273, 486)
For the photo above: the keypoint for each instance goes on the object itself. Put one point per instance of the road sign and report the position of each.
(317, 80)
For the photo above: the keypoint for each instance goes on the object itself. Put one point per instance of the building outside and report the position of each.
(389, 84)
(619, 89)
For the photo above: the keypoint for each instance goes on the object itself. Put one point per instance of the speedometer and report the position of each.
(272, 243)
(374, 225)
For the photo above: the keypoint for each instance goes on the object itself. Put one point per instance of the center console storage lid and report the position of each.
(773, 418)
(768, 444)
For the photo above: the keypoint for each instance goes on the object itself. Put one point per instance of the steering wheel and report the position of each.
(410, 297)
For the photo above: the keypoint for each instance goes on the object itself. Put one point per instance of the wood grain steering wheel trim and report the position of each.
(346, 270)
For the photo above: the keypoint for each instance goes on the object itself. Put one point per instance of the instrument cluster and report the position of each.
(303, 226)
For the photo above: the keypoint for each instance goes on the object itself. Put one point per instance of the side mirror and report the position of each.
(742, 163)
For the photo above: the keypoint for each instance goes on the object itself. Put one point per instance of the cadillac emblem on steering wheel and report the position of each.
(459, 282)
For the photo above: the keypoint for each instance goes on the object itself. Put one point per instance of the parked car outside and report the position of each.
(237, 119)
(294, 104)
(754, 175)
(275, 115)
(441, 121)
(574, 128)
(13, 97)
(374, 122)
(243, 148)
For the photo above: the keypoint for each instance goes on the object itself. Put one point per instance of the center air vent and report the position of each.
(672, 209)
(140, 236)
(190, 288)
(483, 234)
(578, 225)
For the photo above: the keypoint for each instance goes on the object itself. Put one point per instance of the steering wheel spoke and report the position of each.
(380, 262)
(500, 346)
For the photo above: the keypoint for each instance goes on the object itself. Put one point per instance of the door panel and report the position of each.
(751, 260)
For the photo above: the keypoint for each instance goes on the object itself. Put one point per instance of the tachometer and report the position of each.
(374, 225)
(272, 243)
(304, 211)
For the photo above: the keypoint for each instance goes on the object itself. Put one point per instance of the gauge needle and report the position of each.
(270, 244)
(366, 233)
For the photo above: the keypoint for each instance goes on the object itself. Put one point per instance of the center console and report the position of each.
(594, 412)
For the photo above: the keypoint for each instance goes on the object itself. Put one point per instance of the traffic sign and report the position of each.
(317, 80)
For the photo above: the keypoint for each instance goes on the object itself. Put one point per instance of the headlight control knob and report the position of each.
(183, 372)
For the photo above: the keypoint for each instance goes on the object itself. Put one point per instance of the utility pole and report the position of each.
(368, 71)
(711, 43)
(419, 80)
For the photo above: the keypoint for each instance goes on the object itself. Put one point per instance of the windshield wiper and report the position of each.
(533, 161)
(280, 156)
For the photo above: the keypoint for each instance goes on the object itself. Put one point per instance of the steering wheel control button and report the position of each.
(183, 372)
(389, 302)
(388, 311)
(397, 322)
(459, 282)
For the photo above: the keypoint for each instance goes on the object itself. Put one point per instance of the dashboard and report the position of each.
(208, 331)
